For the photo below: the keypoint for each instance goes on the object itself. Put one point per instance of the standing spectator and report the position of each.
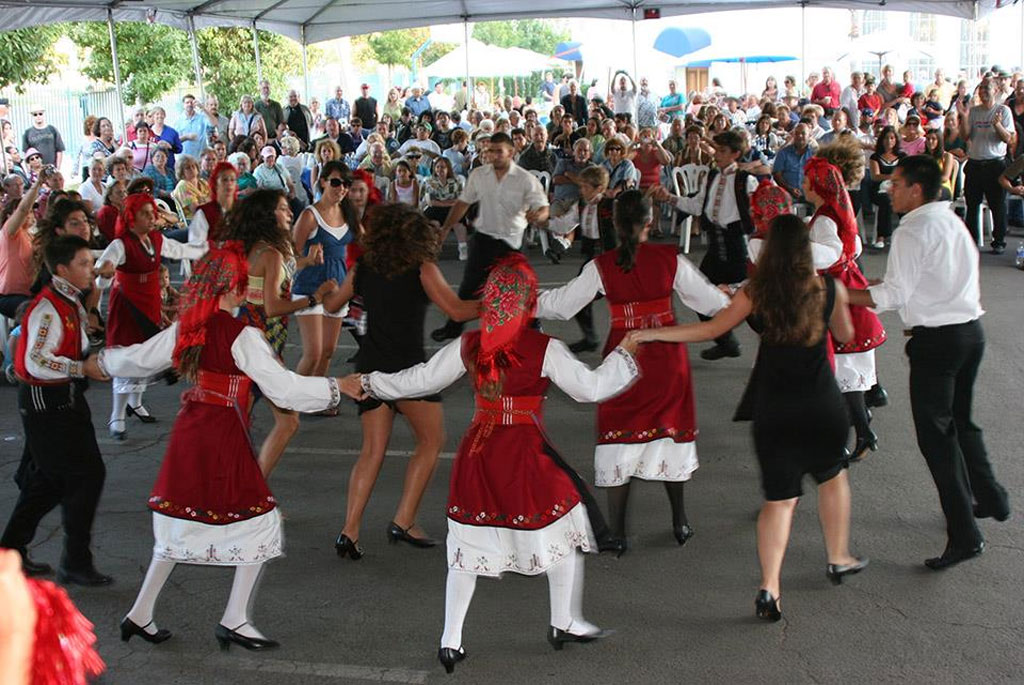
(870, 103)
(366, 107)
(338, 106)
(481, 98)
(246, 121)
(649, 157)
(646, 105)
(16, 250)
(849, 99)
(673, 104)
(85, 150)
(192, 128)
(141, 148)
(826, 94)
(138, 116)
(165, 137)
(788, 169)
(440, 101)
(44, 138)
(622, 97)
(318, 116)
(575, 105)
(393, 105)
(15, 166)
(299, 118)
(945, 88)
(987, 128)
(547, 89)
(270, 110)
(416, 103)
(104, 143)
(216, 124)
(888, 90)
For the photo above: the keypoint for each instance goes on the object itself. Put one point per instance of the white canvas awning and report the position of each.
(317, 20)
(487, 60)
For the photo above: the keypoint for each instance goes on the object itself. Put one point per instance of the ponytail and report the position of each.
(632, 212)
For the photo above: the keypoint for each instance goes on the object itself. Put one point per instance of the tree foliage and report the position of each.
(394, 48)
(532, 34)
(229, 67)
(26, 55)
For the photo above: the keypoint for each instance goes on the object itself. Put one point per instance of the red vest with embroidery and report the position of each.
(70, 346)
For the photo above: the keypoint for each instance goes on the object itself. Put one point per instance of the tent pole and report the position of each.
(195, 58)
(633, 23)
(469, 85)
(305, 63)
(803, 44)
(256, 52)
(117, 73)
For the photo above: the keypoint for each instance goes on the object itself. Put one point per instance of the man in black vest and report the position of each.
(723, 205)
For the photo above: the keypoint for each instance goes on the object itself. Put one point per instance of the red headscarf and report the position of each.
(768, 202)
(132, 204)
(219, 169)
(827, 181)
(374, 196)
(222, 270)
(508, 303)
(64, 650)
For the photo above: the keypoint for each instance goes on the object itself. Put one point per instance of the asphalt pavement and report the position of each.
(680, 614)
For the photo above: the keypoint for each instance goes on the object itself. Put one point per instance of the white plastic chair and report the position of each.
(687, 179)
(533, 235)
(960, 202)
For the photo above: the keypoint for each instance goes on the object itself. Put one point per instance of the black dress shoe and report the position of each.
(225, 636)
(718, 352)
(449, 657)
(835, 572)
(865, 443)
(33, 568)
(345, 546)
(553, 256)
(616, 545)
(134, 411)
(449, 331)
(682, 534)
(396, 533)
(89, 577)
(584, 345)
(558, 637)
(767, 607)
(130, 628)
(980, 512)
(953, 556)
(876, 396)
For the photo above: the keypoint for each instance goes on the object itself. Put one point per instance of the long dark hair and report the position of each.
(253, 220)
(880, 143)
(632, 212)
(785, 290)
(57, 212)
(398, 237)
(348, 210)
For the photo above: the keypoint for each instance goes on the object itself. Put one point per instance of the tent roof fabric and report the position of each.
(318, 20)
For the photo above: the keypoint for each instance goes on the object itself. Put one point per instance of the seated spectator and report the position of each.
(565, 180)
(813, 115)
(441, 190)
(883, 163)
(92, 188)
(442, 133)
(119, 170)
(191, 190)
(751, 160)
(272, 174)
(458, 154)
(247, 184)
(378, 162)
(163, 177)
(325, 150)
(621, 172)
(913, 141)
(113, 203)
(421, 143)
(169, 298)
(697, 149)
(788, 169)
(405, 187)
(649, 157)
(933, 108)
(334, 133)
(934, 148)
(290, 160)
(840, 123)
(15, 167)
(13, 188)
(207, 161)
(764, 140)
(951, 139)
(565, 137)
(538, 157)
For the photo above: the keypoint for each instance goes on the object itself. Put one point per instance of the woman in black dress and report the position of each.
(800, 420)
(397, 277)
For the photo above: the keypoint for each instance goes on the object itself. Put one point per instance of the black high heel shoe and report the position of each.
(345, 546)
(835, 572)
(868, 442)
(396, 533)
(449, 657)
(617, 545)
(876, 396)
(225, 636)
(145, 418)
(558, 637)
(129, 628)
(682, 533)
(767, 607)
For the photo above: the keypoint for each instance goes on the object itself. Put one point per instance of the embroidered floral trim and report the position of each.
(212, 554)
(533, 564)
(630, 361)
(332, 385)
(514, 521)
(647, 435)
(855, 346)
(181, 511)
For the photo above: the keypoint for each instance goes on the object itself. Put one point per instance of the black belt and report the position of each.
(918, 330)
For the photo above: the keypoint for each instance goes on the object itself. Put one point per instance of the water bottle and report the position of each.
(1019, 261)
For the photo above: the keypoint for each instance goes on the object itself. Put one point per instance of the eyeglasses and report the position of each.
(338, 182)
(37, 114)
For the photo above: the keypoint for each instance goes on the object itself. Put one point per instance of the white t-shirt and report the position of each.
(504, 203)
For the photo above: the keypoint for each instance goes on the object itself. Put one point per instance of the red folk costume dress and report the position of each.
(649, 431)
(513, 504)
(210, 503)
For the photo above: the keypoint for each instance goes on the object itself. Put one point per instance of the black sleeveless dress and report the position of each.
(396, 311)
(800, 420)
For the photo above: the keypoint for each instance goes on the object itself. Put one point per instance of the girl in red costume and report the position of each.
(132, 262)
(211, 505)
(513, 505)
(648, 432)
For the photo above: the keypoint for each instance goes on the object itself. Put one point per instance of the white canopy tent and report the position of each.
(487, 60)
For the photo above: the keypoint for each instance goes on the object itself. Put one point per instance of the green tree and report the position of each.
(229, 67)
(26, 55)
(538, 35)
(393, 48)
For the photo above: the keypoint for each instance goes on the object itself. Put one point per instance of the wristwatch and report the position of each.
(312, 300)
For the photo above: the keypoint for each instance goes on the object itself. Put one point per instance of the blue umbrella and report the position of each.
(681, 41)
(752, 59)
(569, 51)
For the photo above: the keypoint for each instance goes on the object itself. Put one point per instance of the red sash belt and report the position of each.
(507, 410)
(221, 389)
(148, 281)
(647, 314)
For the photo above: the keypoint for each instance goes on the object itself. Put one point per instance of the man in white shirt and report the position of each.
(622, 97)
(439, 100)
(510, 198)
(931, 279)
(849, 97)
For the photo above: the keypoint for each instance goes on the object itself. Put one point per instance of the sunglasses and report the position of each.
(338, 182)
(37, 114)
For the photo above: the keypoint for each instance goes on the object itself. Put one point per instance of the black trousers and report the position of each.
(944, 364)
(61, 465)
(881, 200)
(982, 182)
(589, 248)
(725, 262)
(484, 251)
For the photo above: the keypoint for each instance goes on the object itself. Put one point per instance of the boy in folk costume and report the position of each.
(61, 463)
(132, 263)
(211, 504)
(514, 505)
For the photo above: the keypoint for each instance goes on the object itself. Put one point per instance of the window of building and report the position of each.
(873, 21)
(922, 27)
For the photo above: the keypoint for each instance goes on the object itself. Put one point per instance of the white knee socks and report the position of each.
(565, 583)
(243, 589)
(135, 402)
(458, 594)
(117, 410)
(141, 613)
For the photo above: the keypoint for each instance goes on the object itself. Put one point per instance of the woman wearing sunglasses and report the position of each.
(332, 223)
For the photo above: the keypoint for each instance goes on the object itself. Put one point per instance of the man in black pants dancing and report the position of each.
(510, 198)
(932, 280)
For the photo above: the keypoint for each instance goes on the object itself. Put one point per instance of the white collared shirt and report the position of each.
(728, 211)
(504, 203)
(931, 277)
(45, 332)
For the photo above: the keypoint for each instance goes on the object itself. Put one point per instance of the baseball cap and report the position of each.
(36, 108)
(267, 151)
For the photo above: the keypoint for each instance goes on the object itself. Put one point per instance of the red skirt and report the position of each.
(868, 332)
(134, 316)
(658, 405)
